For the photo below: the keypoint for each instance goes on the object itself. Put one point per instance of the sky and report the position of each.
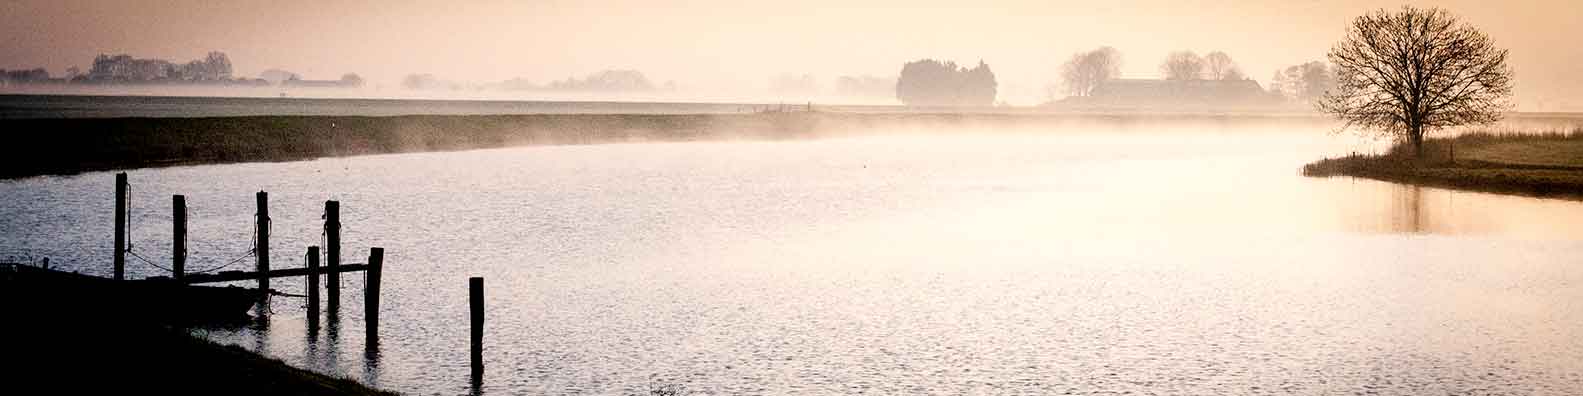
(740, 46)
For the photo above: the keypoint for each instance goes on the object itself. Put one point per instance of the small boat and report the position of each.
(70, 293)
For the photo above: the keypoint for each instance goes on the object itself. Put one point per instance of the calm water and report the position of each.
(1155, 260)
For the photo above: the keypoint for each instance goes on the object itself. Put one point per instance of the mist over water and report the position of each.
(1173, 258)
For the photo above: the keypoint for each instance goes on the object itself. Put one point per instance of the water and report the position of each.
(1154, 260)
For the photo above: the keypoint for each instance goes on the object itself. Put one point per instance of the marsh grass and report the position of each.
(1543, 163)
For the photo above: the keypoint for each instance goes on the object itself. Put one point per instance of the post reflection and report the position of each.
(371, 365)
(476, 386)
(332, 335)
(260, 329)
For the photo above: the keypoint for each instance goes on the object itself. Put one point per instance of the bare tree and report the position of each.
(1219, 66)
(1183, 65)
(1406, 73)
(1086, 70)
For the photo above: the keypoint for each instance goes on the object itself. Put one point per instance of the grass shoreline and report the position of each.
(68, 146)
(1545, 165)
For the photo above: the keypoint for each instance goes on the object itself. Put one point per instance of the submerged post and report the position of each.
(178, 247)
(475, 294)
(376, 262)
(332, 236)
(120, 226)
(262, 249)
(313, 288)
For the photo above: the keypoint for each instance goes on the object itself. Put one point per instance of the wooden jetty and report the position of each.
(179, 280)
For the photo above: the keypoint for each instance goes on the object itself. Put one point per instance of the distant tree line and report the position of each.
(214, 68)
(1085, 71)
(288, 79)
(1187, 65)
(791, 84)
(608, 81)
(865, 86)
(29, 76)
(1303, 83)
(930, 82)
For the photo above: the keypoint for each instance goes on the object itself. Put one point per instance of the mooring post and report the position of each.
(178, 247)
(475, 293)
(120, 226)
(313, 288)
(332, 236)
(262, 249)
(376, 262)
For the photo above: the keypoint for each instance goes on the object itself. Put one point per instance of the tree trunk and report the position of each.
(1415, 134)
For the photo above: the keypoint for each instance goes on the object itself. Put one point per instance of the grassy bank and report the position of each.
(68, 146)
(1535, 164)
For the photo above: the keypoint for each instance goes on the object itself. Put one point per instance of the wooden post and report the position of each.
(120, 226)
(178, 247)
(262, 250)
(475, 293)
(332, 236)
(376, 262)
(313, 288)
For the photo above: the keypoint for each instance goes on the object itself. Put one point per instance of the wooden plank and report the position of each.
(232, 276)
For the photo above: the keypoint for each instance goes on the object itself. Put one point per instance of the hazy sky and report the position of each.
(727, 46)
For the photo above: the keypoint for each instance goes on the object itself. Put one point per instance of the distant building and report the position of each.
(347, 81)
(1175, 93)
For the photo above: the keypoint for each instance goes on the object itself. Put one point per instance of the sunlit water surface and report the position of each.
(1156, 261)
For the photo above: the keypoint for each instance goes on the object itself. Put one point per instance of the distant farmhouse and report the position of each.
(347, 81)
(1174, 94)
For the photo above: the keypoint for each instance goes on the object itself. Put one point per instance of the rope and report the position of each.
(252, 250)
(223, 266)
(146, 261)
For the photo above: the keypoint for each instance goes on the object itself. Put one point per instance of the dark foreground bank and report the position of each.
(76, 341)
(84, 358)
(69, 146)
(1533, 164)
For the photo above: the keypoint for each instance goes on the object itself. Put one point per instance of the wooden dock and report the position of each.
(260, 253)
